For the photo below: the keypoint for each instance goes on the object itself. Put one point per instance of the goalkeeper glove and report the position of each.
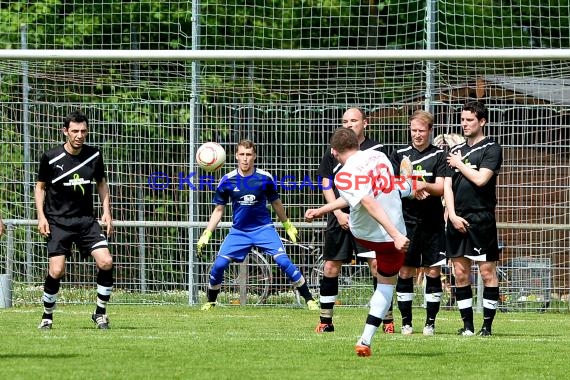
(291, 230)
(203, 241)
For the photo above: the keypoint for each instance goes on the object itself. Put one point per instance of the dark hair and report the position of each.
(478, 109)
(76, 116)
(344, 139)
(247, 144)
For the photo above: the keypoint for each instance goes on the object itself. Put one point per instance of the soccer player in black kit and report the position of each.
(424, 222)
(470, 197)
(65, 210)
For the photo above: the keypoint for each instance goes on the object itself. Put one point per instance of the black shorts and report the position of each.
(87, 235)
(427, 245)
(340, 245)
(479, 241)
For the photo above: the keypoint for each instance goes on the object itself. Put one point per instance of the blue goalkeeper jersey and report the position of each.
(249, 197)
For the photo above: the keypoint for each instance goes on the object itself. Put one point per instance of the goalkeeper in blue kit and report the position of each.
(249, 189)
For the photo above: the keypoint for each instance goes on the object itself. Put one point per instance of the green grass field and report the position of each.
(176, 342)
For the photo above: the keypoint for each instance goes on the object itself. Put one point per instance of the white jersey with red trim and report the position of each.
(371, 173)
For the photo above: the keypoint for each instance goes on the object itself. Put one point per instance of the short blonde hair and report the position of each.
(247, 144)
(424, 117)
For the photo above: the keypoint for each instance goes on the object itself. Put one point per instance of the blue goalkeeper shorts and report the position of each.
(238, 244)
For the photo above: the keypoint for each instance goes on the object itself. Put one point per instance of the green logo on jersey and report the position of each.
(419, 169)
(78, 181)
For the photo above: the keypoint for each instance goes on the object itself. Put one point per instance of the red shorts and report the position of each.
(389, 259)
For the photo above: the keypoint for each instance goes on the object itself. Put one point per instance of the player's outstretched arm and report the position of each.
(329, 195)
(279, 210)
(215, 219)
(436, 188)
(290, 229)
(337, 204)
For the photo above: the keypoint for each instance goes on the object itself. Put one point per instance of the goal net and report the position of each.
(148, 116)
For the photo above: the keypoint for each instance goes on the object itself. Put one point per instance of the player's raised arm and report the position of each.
(478, 177)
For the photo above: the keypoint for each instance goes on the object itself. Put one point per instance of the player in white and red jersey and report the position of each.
(339, 244)
(367, 184)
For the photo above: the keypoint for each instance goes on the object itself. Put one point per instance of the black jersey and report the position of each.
(468, 196)
(69, 182)
(427, 166)
(329, 167)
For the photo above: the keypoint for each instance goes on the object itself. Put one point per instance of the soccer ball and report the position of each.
(210, 156)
